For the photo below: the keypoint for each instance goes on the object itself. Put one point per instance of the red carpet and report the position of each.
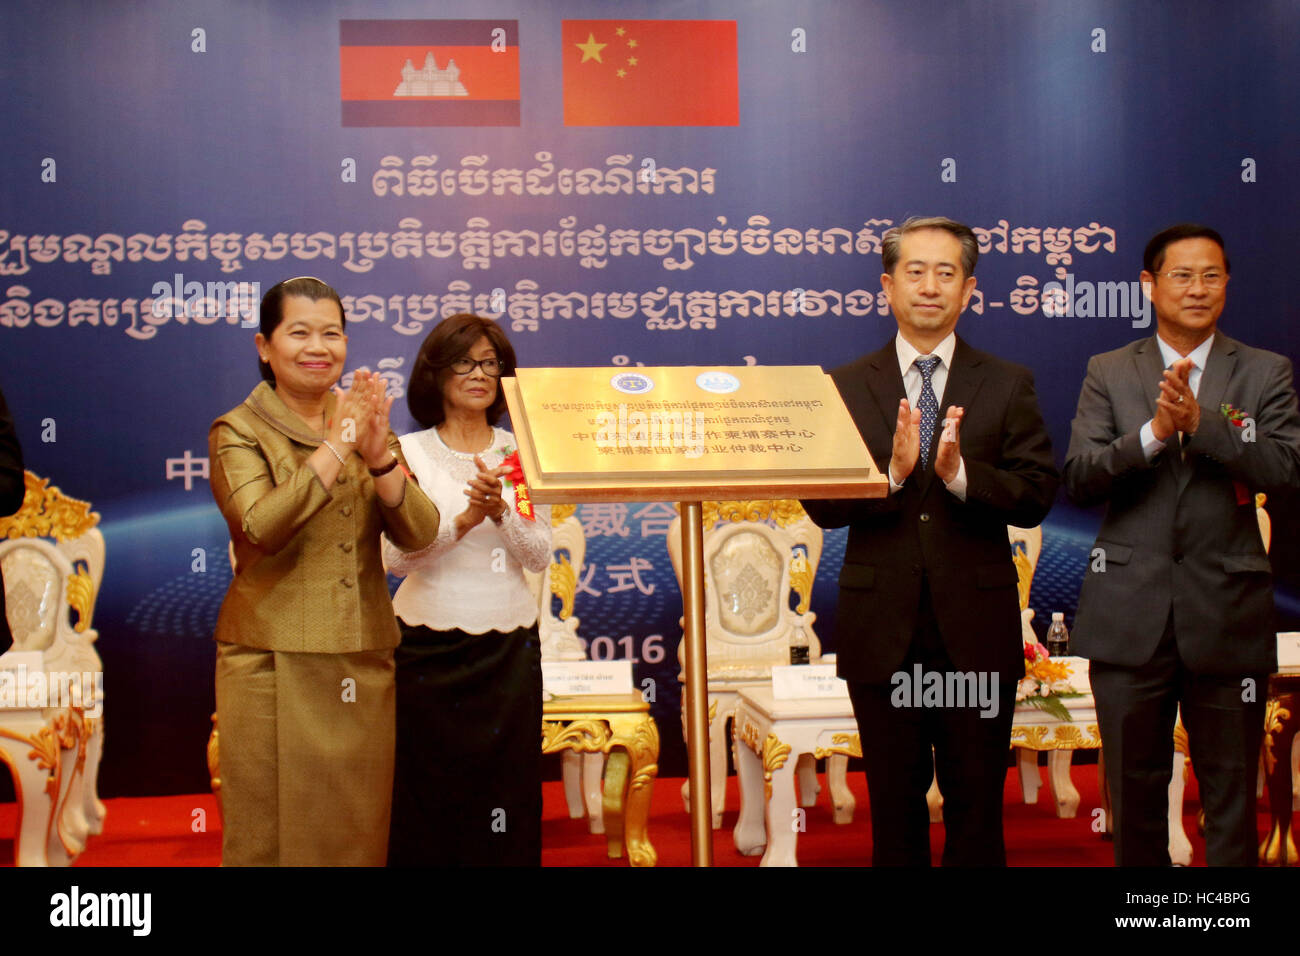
(161, 831)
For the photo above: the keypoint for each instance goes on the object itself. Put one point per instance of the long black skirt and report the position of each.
(467, 787)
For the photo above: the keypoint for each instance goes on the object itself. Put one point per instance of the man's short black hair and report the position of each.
(1154, 256)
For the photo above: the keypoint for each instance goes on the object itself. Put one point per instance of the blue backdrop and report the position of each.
(150, 145)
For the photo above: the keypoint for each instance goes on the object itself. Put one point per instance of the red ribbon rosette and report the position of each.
(523, 504)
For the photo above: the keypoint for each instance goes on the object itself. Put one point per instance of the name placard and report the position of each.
(799, 681)
(583, 678)
(1288, 651)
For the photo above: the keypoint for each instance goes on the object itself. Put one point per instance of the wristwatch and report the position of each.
(379, 472)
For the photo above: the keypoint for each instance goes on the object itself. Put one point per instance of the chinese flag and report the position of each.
(650, 73)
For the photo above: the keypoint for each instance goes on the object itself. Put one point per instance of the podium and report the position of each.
(688, 434)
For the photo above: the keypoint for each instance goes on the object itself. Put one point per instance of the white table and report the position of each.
(771, 735)
(1034, 730)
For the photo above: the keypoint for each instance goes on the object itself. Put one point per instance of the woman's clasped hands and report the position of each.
(484, 493)
(360, 420)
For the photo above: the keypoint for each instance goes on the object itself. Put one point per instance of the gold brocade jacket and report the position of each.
(309, 576)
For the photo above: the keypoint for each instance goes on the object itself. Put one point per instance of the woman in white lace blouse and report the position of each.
(467, 789)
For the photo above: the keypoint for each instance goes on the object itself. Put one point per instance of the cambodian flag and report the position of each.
(429, 72)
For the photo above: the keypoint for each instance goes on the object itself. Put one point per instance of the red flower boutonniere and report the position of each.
(523, 504)
(1237, 419)
(1233, 414)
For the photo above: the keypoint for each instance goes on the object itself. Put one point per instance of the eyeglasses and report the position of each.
(1182, 278)
(490, 366)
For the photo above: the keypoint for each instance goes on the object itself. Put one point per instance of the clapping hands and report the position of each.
(907, 442)
(361, 418)
(1176, 407)
(484, 493)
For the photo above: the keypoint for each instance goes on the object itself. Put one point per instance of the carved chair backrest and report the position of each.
(52, 559)
(756, 553)
(1026, 545)
(558, 627)
(1265, 522)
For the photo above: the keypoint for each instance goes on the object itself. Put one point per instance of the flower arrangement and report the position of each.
(1046, 682)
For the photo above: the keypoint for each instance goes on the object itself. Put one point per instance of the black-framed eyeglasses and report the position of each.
(490, 366)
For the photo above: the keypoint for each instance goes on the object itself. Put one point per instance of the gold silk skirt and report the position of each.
(307, 744)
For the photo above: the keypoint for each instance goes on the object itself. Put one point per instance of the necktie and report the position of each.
(928, 404)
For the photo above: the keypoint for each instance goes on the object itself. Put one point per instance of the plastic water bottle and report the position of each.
(1058, 638)
(799, 649)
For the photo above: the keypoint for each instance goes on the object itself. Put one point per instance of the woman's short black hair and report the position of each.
(452, 339)
(272, 312)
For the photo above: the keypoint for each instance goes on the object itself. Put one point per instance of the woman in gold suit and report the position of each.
(307, 479)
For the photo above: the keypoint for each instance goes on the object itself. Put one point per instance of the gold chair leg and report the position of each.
(1281, 723)
(616, 765)
(638, 737)
(214, 766)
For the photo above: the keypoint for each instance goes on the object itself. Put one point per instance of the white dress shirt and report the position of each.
(912, 382)
(1151, 445)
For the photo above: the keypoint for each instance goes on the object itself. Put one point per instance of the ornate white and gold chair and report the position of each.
(755, 554)
(1032, 734)
(1026, 546)
(609, 744)
(560, 642)
(214, 738)
(559, 632)
(51, 725)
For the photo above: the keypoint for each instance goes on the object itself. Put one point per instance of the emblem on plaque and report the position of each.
(632, 383)
(719, 383)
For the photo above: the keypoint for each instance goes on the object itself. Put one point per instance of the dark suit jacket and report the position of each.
(11, 495)
(1175, 535)
(962, 547)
